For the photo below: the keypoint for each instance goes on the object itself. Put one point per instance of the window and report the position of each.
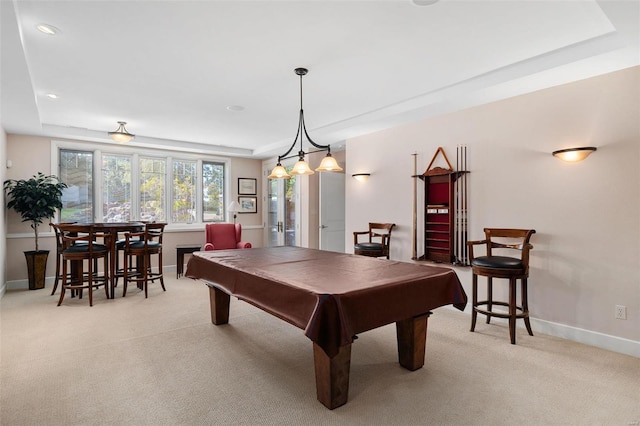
(183, 207)
(116, 188)
(152, 189)
(213, 208)
(76, 170)
(149, 185)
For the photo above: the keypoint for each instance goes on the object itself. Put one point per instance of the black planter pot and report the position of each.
(36, 267)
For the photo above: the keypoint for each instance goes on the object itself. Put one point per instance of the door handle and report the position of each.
(323, 226)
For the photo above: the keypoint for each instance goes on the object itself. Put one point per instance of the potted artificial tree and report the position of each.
(35, 199)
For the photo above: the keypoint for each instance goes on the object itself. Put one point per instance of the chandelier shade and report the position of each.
(301, 168)
(329, 164)
(121, 134)
(279, 172)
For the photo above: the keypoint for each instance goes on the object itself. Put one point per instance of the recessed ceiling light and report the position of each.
(235, 108)
(424, 2)
(52, 96)
(47, 29)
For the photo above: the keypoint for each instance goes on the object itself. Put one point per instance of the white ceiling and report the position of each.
(171, 68)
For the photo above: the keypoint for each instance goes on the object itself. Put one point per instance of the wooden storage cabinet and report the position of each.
(445, 211)
(439, 218)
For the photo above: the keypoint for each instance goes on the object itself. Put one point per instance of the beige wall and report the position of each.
(252, 229)
(586, 256)
(31, 154)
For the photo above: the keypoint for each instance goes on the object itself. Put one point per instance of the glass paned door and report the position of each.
(282, 218)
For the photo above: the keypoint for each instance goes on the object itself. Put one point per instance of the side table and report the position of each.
(181, 250)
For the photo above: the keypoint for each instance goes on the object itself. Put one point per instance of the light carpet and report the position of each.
(160, 361)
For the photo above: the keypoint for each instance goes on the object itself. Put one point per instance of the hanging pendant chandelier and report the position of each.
(328, 163)
(121, 134)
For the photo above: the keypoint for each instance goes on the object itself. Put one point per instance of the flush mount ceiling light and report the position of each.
(328, 163)
(574, 155)
(362, 177)
(47, 29)
(52, 96)
(424, 2)
(121, 134)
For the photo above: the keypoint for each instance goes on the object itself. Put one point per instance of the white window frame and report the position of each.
(100, 149)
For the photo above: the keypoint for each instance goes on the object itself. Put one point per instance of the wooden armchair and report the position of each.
(496, 266)
(223, 236)
(372, 247)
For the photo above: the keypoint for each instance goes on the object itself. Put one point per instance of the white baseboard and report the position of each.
(574, 334)
(588, 337)
(48, 281)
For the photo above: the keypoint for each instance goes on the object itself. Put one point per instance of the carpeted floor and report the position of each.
(160, 361)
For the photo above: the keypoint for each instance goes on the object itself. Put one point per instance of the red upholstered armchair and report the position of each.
(222, 236)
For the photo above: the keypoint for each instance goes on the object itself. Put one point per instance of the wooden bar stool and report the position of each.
(511, 268)
(377, 241)
(79, 245)
(143, 245)
(59, 249)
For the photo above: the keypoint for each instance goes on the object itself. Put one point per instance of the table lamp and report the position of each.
(234, 208)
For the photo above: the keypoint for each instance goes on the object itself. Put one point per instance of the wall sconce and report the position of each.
(362, 177)
(574, 155)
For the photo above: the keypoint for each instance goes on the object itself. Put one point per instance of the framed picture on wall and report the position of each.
(248, 204)
(247, 186)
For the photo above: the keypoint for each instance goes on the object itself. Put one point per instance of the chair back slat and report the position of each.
(522, 235)
(153, 232)
(73, 233)
(58, 233)
(380, 230)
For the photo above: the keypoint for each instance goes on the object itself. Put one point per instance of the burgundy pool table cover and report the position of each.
(331, 296)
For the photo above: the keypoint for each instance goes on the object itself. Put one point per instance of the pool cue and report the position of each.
(414, 243)
(456, 240)
(465, 225)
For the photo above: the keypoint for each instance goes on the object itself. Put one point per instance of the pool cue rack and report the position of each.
(445, 210)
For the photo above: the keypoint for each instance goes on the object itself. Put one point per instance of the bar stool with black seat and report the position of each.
(493, 265)
(59, 249)
(374, 247)
(79, 245)
(120, 242)
(143, 245)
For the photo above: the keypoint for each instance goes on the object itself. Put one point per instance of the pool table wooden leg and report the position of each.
(332, 376)
(219, 301)
(412, 339)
